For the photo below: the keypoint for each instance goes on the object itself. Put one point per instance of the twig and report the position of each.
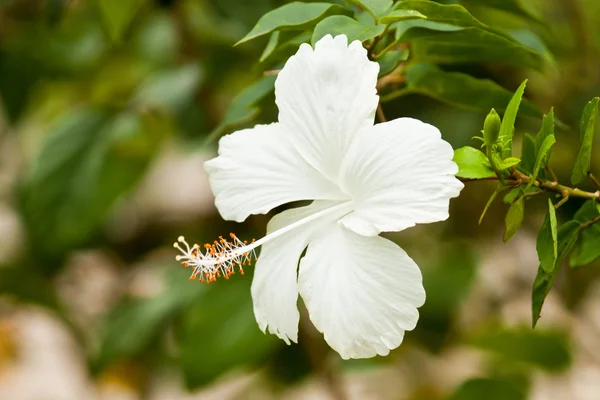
(272, 72)
(552, 174)
(589, 223)
(380, 114)
(593, 179)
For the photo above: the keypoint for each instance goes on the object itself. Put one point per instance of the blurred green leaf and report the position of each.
(342, 25)
(507, 127)
(401, 15)
(546, 244)
(390, 60)
(459, 90)
(117, 16)
(587, 249)
(517, 7)
(402, 27)
(567, 236)
(586, 133)
(132, 326)
(294, 15)
(169, 90)
(219, 332)
(374, 7)
(452, 14)
(271, 46)
(528, 153)
(286, 46)
(543, 349)
(243, 108)
(26, 284)
(472, 163)
(469, 45)
(514, 218)
(87, 162)
(489, 389)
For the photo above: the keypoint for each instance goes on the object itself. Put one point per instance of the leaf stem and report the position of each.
(593, 179)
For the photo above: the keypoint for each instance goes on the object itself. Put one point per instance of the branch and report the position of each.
(518, 178)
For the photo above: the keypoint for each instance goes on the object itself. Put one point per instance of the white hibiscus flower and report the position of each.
(362, 291)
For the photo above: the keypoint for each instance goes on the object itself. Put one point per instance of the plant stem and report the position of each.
(518, 178)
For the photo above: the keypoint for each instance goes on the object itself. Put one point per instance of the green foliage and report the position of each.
(491, 389)
(342, 25)
(375, 7)
(458, 90)
(472, 163)
(296, 16)
(547, 241)
(117, 16)
(234, 339)
(507, 127)
(89, 160)
(567, 236)
(587, 129)
(452, 14)
(243, 107)
(517, 7)
(587, 248)
(543, 349)
(401, 15)
(514, 218)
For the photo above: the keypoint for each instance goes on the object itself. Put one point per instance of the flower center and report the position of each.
(219, 259)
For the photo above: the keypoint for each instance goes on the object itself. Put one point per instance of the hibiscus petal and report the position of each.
(325, 97)
(400, 173)
(361, 292)
(274, 287)
(258, 169)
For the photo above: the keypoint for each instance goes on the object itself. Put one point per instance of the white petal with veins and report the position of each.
(399, 173)
(325, 96)
(258, 169)
(361, 292)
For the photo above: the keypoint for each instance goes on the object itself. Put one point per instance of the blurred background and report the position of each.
(108, 110)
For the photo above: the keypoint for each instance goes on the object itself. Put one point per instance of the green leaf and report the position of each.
(542, 156)
(459, 90)
(586, 133)
(452, 14)
(542, 349)
(517, 7)
(374, 7)
(285, 47)
(88, 161)
(243, 107)
(507, 127)
(514, 218)
(271, 46)
(567, 236)
(547, 130)
(469, 45)
(401, 27)
(117, 16)
(587, 249)
(390, 60)
(26, 284)
(401, 15)
(508, 163)
(170, 90)
(489, 389)
(233, 340)
(132, 326)
(499, 188)
(546, 244)
(472, 163)
(342, 25)
(294, 15)
(528, 153)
